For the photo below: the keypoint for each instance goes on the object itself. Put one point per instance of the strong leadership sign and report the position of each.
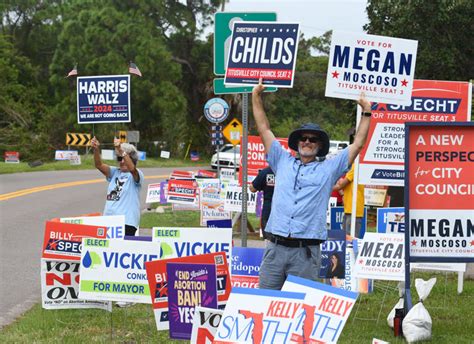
(382, 159)
(262, 50)
(103, 99)
(440, 184)
(382, 67)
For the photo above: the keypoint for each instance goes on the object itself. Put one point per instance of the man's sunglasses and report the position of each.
(119, 158)
(312, 139)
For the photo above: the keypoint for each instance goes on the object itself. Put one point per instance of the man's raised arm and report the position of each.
(263, 126)
(363, 129)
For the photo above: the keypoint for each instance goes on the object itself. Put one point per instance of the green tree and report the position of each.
(443, 29)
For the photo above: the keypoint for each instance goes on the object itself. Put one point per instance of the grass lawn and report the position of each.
(87, 162)
(451, 313)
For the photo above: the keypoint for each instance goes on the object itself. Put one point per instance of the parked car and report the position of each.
(336, 146)
(228, 156)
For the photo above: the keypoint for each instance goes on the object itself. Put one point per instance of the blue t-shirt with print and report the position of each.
(123, 196)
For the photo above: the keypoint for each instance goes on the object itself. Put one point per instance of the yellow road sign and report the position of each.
(233, 131)
(122, 136)
(75, 139)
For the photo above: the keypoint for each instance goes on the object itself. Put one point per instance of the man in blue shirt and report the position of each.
(297, 223)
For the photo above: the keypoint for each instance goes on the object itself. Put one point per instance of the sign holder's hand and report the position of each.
(364, 103)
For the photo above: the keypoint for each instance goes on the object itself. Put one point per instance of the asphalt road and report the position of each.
(22, 221)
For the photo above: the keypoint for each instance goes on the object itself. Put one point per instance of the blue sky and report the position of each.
(314, 16)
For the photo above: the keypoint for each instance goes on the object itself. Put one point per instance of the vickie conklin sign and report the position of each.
(262, 50)
(440, 184)
(103, 99)
(382, 67)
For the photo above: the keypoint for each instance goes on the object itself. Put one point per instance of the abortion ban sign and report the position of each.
(440, 184)
(262, 50)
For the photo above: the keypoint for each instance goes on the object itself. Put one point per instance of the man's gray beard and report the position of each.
(314, 152)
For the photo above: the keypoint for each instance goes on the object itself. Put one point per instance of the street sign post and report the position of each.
(220, 88)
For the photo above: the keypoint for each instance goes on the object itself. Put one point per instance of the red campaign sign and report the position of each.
(441, 191)
(182, 190)
(441, 161)
(158, 280)
(256, 156)
(182, 175)
(382, 159)
(64, 240)
(11, 156)
(206, 174)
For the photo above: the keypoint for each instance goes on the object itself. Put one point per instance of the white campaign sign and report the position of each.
(182, 242)
(211, 203)
(114, 270)
(382, 257)
(115, 223)
(60, 286)
(205, 324)
(153, 193)
(330, 307)
(233, 199)
(382, 67)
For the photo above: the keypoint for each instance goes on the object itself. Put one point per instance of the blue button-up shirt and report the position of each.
(302, 192)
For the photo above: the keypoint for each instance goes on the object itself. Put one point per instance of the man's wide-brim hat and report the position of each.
(310, 128)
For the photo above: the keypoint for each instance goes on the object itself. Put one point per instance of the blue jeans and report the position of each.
(280, 261)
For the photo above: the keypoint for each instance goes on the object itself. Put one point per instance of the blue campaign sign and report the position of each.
(262, 49)
(333, 255)
(337, 218)
(103, 99)
(391, 220)
(246, 260)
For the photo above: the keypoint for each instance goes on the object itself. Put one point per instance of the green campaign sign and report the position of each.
(223, 31)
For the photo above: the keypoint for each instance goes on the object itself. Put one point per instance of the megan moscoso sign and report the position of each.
(440, 184)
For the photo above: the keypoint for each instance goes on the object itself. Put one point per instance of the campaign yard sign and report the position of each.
(324, 312)
(337, 219)
(245, 266)
(60, 286)
(103, 99)
(262, 50)
(189, 285)
(350, 282)
(115, 224)
(383, 157)
(381, 257)
(381, 67)
(440, 185)
(205, 324)
(260, 316)
(153, 193)
(158, 282)
(64, 240)
(114, 270)
(233, 199)
(256, 156)
(190, 241)
(391, 220)
(182, 191)
(65, 154)
(211, 203)
(333, 255)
